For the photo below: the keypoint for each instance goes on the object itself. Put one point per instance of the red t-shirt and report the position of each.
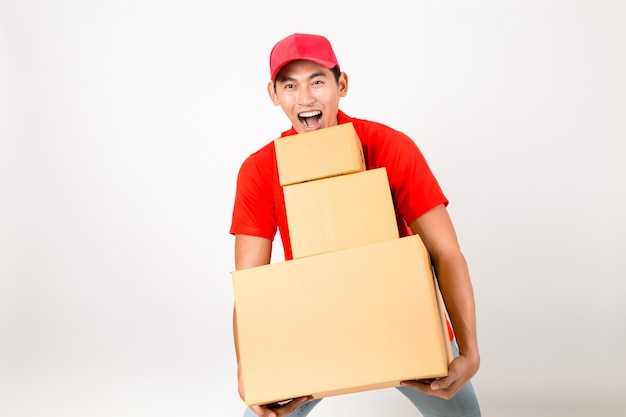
(259, 208)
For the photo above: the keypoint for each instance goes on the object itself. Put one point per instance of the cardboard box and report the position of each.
(340, 212)
(319, 154)
(346, 321)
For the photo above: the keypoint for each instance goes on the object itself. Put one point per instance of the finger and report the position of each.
(262, 411)
(281, 408)
(411, 382)
(418, 386)
(442, 383)
(426, 389)
(294, 404)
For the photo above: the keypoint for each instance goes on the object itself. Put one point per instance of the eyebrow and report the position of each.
(310, 77)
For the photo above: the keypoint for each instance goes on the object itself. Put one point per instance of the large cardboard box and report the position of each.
(319, 154)
(347, 321)
(340, 212)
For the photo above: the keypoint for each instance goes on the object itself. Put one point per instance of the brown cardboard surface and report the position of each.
(319, 154)
(346, 321)
(340, 212)
(444, 321)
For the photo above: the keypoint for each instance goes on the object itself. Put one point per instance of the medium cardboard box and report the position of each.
(340, 212)
(319, 154)
(347, 321)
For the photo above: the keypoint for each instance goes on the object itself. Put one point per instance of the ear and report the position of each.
(343, 84)
(272, 93)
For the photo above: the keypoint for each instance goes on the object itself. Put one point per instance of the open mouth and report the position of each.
(310, 119)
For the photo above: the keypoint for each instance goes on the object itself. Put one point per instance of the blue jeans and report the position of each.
(463, 404)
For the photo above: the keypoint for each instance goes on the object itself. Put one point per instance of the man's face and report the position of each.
(308, 94)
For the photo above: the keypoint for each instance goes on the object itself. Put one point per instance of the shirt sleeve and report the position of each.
(414, 187)
(253, 211)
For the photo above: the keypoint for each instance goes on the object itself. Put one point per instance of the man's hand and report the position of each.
(276, 409)
(436, 230)
(460, 371)
(273, 410)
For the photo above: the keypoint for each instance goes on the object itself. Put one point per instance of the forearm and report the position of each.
(458, 294)
(236, 341)
(438, 234)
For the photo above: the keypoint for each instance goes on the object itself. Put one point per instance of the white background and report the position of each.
(123, 124)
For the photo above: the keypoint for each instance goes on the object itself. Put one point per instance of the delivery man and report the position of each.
(307, 83)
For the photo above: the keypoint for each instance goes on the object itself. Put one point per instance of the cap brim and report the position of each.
(322, 62)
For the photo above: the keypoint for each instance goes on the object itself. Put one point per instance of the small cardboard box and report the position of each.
(340, 212)
(319, 154)
(347, 321)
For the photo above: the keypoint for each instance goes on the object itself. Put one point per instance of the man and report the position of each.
(307, 83)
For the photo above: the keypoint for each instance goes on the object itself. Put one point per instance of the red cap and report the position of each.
(314, 48)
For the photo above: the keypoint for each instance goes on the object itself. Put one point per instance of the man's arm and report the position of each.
(437, 232)
(251, 251)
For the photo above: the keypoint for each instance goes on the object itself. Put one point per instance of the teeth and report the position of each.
(310, 113)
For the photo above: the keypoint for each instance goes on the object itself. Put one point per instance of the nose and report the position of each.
(305, 96)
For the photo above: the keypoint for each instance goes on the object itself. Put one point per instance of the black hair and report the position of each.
(335, 70)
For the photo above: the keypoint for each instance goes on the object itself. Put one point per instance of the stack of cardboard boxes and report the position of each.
(357, 308)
